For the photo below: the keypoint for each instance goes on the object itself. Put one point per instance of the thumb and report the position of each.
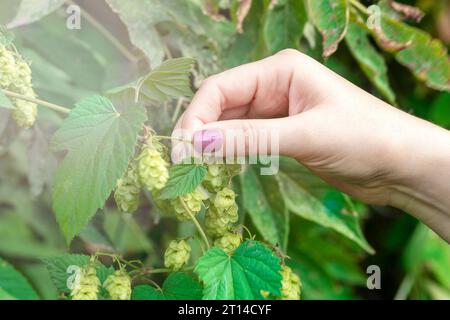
(249, 137)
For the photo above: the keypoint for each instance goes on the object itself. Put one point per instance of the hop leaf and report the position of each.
(177, 254)
(192, 201)
(128, 191)
(153, 168)
(228, 242)
(87, 284)
(118, 285)
(290, 284)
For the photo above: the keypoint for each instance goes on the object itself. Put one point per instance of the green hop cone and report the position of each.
(216, 177)
(290, 284)
(228, 242)
(87, 284)
(177, 254)
(224, 199)
(127, 193)
(118, 285)
(7, 67)
(24, 113)
(219, 222)
(193, 201)
(153, 167)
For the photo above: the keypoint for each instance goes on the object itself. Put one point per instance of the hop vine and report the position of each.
(153, 167)
(87, 284)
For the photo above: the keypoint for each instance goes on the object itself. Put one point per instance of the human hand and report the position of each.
(349, 138)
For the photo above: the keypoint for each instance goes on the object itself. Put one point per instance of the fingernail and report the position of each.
(206, 141)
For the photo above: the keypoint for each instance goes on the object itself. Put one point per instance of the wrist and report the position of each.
(423, 186)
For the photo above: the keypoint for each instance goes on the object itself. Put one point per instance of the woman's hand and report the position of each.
(348, 137)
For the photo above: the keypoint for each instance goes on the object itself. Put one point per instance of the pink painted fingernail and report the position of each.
(207, 141)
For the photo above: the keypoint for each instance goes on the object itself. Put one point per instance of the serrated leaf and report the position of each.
(100, 143)
(168, 81)
(264, 204)
(331, 18)
(14, 285)
(252, 268)
(5, 102)
(58, 267)
(177, 286)
(310, 198)
(184, 178)
(33, 10)
(370, 60)
(284, 25)
(427, 58)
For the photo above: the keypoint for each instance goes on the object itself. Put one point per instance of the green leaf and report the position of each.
(168, 81)
(252, 268)
(140, 16)
(100, 142)
(5, 102)
(184, 178)
(369, 59)
(264, 203)
(328, 207)
(60, 271)
(427, 58)
(331, 18)
(14, 285)
(33, 10)
(177, 286)
(284, 24)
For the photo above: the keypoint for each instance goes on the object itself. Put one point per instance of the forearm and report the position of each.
(424, 192)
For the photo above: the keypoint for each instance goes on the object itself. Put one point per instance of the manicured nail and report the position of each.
(207, 141)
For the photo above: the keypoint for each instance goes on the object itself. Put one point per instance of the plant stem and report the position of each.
(358, 5)
(116, 43)
(197, 224)
(405, 287)
(172, 138)
(49, 105)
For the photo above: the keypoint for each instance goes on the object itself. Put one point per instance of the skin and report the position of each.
(351, 139)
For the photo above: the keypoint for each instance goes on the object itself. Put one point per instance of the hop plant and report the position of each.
(224, 199)
(87, 284)
(228, 242)
(216, 177)
(177, 254)
(24, 113)
(193, 201)
(118, 285)
(219, 222)
(128, 191)
(153, 167)
(290, 284)
(7, 67)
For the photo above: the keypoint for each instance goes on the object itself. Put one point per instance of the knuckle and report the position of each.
(289, 52)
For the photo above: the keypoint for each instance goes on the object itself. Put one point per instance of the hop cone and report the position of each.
(7, 67)
(224, 199)
(290, 284)
(87, 285)
(118, 285)
(177, 254)
(153, 168)
(128, 191)
(218, 222)
(193, 201)
(228, 242)
(216, 177)
(24, 113)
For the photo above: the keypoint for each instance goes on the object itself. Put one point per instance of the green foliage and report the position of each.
(249, 271)
(100, 142)
(331, 18)
(13, 285)
(177, 286)
(31, 11)
(184, 178)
